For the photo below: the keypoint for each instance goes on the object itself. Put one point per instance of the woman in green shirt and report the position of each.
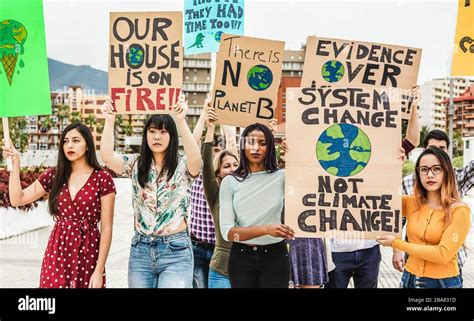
(213, 172)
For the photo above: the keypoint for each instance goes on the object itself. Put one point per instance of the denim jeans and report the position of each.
(161, 261)
(202, 259)
(362, 265)
(217, 280)
(259, 266)
(412, 281)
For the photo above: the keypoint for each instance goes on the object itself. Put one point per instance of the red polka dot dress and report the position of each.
(73, 247)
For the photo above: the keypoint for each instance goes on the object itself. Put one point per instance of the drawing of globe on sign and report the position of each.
(135, 56)
(217, 36)
(343, 150)
(332, 71)
(259, 77)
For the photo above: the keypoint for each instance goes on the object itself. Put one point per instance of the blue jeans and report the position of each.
(412, 281)
(202, 259)
(217, 280)
(361, 265)
(161, 261)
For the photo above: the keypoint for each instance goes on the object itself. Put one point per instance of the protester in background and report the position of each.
(81, 194)
(161, 255)
(202, 230)
(214, 170)
(201, 223)
(437, 225)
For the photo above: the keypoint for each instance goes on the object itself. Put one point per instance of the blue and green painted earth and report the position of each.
(332, 71)
(343, 150)
(259, 77)
(217, 36)
(135, 56)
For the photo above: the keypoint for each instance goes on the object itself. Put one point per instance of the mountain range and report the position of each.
(63, 75)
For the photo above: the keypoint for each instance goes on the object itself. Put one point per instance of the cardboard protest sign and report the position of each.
(347, 63)
(24, 79)
(463, 56)
(248, 74)
(206, 20)
(343, 171)
(146, 61)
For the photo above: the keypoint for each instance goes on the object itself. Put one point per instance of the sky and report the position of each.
(77, 31)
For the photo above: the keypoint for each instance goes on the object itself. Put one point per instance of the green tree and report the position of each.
(100, 126)
(457, 143)
(90, 121)
(75, 116)
(63, 113)
(458, 161)
(18, 134)
(408, 168)
(122, 127)
(423, 132)
(46, 124)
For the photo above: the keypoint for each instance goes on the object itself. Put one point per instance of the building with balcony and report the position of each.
(433, 94)
(463, 112)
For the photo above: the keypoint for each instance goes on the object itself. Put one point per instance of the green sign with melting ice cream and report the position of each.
(12, 38)
(24, 81)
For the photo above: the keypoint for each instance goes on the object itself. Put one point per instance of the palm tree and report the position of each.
(100, 126)
(75, 117)
(423, 132)
(46, 124)
(90, 121)
(457, 142)
(127, 129)
(63, 113)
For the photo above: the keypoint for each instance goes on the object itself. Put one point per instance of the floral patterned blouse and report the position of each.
(161, 207)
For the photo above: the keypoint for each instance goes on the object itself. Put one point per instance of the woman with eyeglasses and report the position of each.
(437, 225)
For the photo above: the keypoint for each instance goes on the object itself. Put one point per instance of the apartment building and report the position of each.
(463, 112)
(433, 94)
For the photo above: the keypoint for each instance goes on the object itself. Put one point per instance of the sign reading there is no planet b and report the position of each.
(146, 61)
(248, 72)
(206, 20)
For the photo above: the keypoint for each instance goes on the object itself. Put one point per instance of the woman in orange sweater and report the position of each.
(437, 225)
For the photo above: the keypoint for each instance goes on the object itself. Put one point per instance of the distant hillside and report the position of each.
(62, 75)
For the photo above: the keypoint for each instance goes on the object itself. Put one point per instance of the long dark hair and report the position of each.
(64, 169)
(243, 171)
(449, 192)
(171, 158)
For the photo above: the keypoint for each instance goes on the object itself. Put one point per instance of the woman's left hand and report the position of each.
(96, 280)
(181, 108)
(385, 240)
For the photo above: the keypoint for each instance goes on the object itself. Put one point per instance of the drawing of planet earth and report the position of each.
(332, 71)
(259, 77)
(343, 150)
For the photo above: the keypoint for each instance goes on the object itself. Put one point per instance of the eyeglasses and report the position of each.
(424, 170)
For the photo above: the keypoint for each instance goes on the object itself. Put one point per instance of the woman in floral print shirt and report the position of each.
(161, 254)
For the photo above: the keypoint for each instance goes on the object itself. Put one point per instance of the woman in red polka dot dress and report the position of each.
(81, 194)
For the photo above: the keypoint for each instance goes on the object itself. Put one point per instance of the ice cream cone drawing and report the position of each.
(12, 38)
